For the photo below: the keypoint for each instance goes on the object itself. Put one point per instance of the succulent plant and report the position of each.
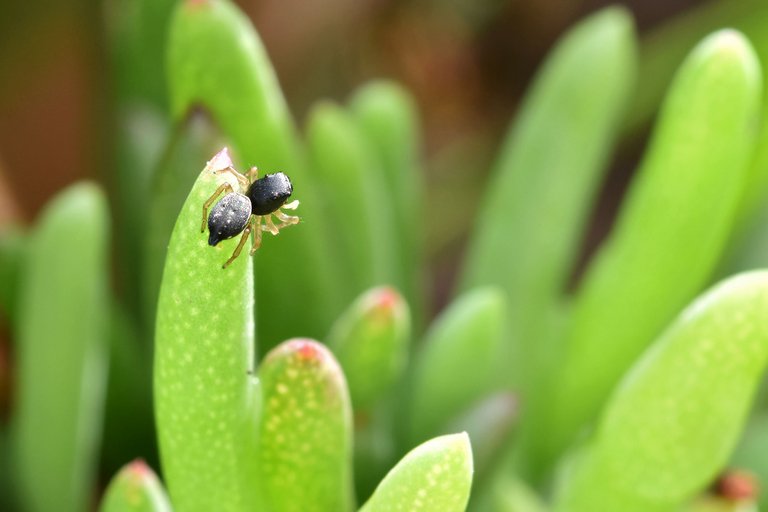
(311, 377)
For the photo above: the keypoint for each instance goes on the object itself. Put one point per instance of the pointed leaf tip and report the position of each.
(371, 341)
(436, 476)
(219, 162)
(135, 488)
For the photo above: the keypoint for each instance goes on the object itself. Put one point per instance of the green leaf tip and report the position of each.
(135, 488)
(371, 341)
(436, 476)
(305, 435)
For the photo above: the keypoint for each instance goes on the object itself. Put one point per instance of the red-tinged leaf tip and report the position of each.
(307, 351)
(139, 468)
(197, 3)
(382, 304)
(303, 350)
(310, 355)
(387, 297)
(737, 485)
(136, 487)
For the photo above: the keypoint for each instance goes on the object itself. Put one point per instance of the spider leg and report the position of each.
(252, 174)
(270, 225)
(242, 180)
(243, 239)
(285, 220)
(257, 234)
(292, 205)
(223, 187)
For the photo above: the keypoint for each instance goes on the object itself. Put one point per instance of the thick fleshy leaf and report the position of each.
(672, 423)
(386, 114)
(204, 396)
(135, 488)
(436, 476)
(459, 362)
(61, 354)
(528, 234)
(665, 46)
(351, 183)
(135, 33)
(371, 342)
(216, 60)
(671, 232)
(174, 177)
(305, 437)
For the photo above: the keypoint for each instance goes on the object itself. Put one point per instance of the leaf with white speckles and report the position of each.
(436, 476)
(305, 437)
(673, 422)
(217, 61)
(135, 488)
(204, 404)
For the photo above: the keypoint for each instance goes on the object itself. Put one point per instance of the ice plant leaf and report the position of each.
(305, 436)
(672, 423)
(216, 61)
(386, 115)
(135, 488)
(436, 476)
(458, 361)
(353, 189)
(203, 356)
(672, 230)
(529, 230)
(370, 341)
(61, 354)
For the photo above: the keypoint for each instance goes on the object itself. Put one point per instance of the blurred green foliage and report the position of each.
(612, 389)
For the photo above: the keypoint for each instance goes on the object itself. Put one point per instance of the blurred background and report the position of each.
(466, 61)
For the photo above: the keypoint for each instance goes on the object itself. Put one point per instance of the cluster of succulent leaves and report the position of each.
(629, 390)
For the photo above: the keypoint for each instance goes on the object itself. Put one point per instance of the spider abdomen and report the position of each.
(228, 218)
(269, 193)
